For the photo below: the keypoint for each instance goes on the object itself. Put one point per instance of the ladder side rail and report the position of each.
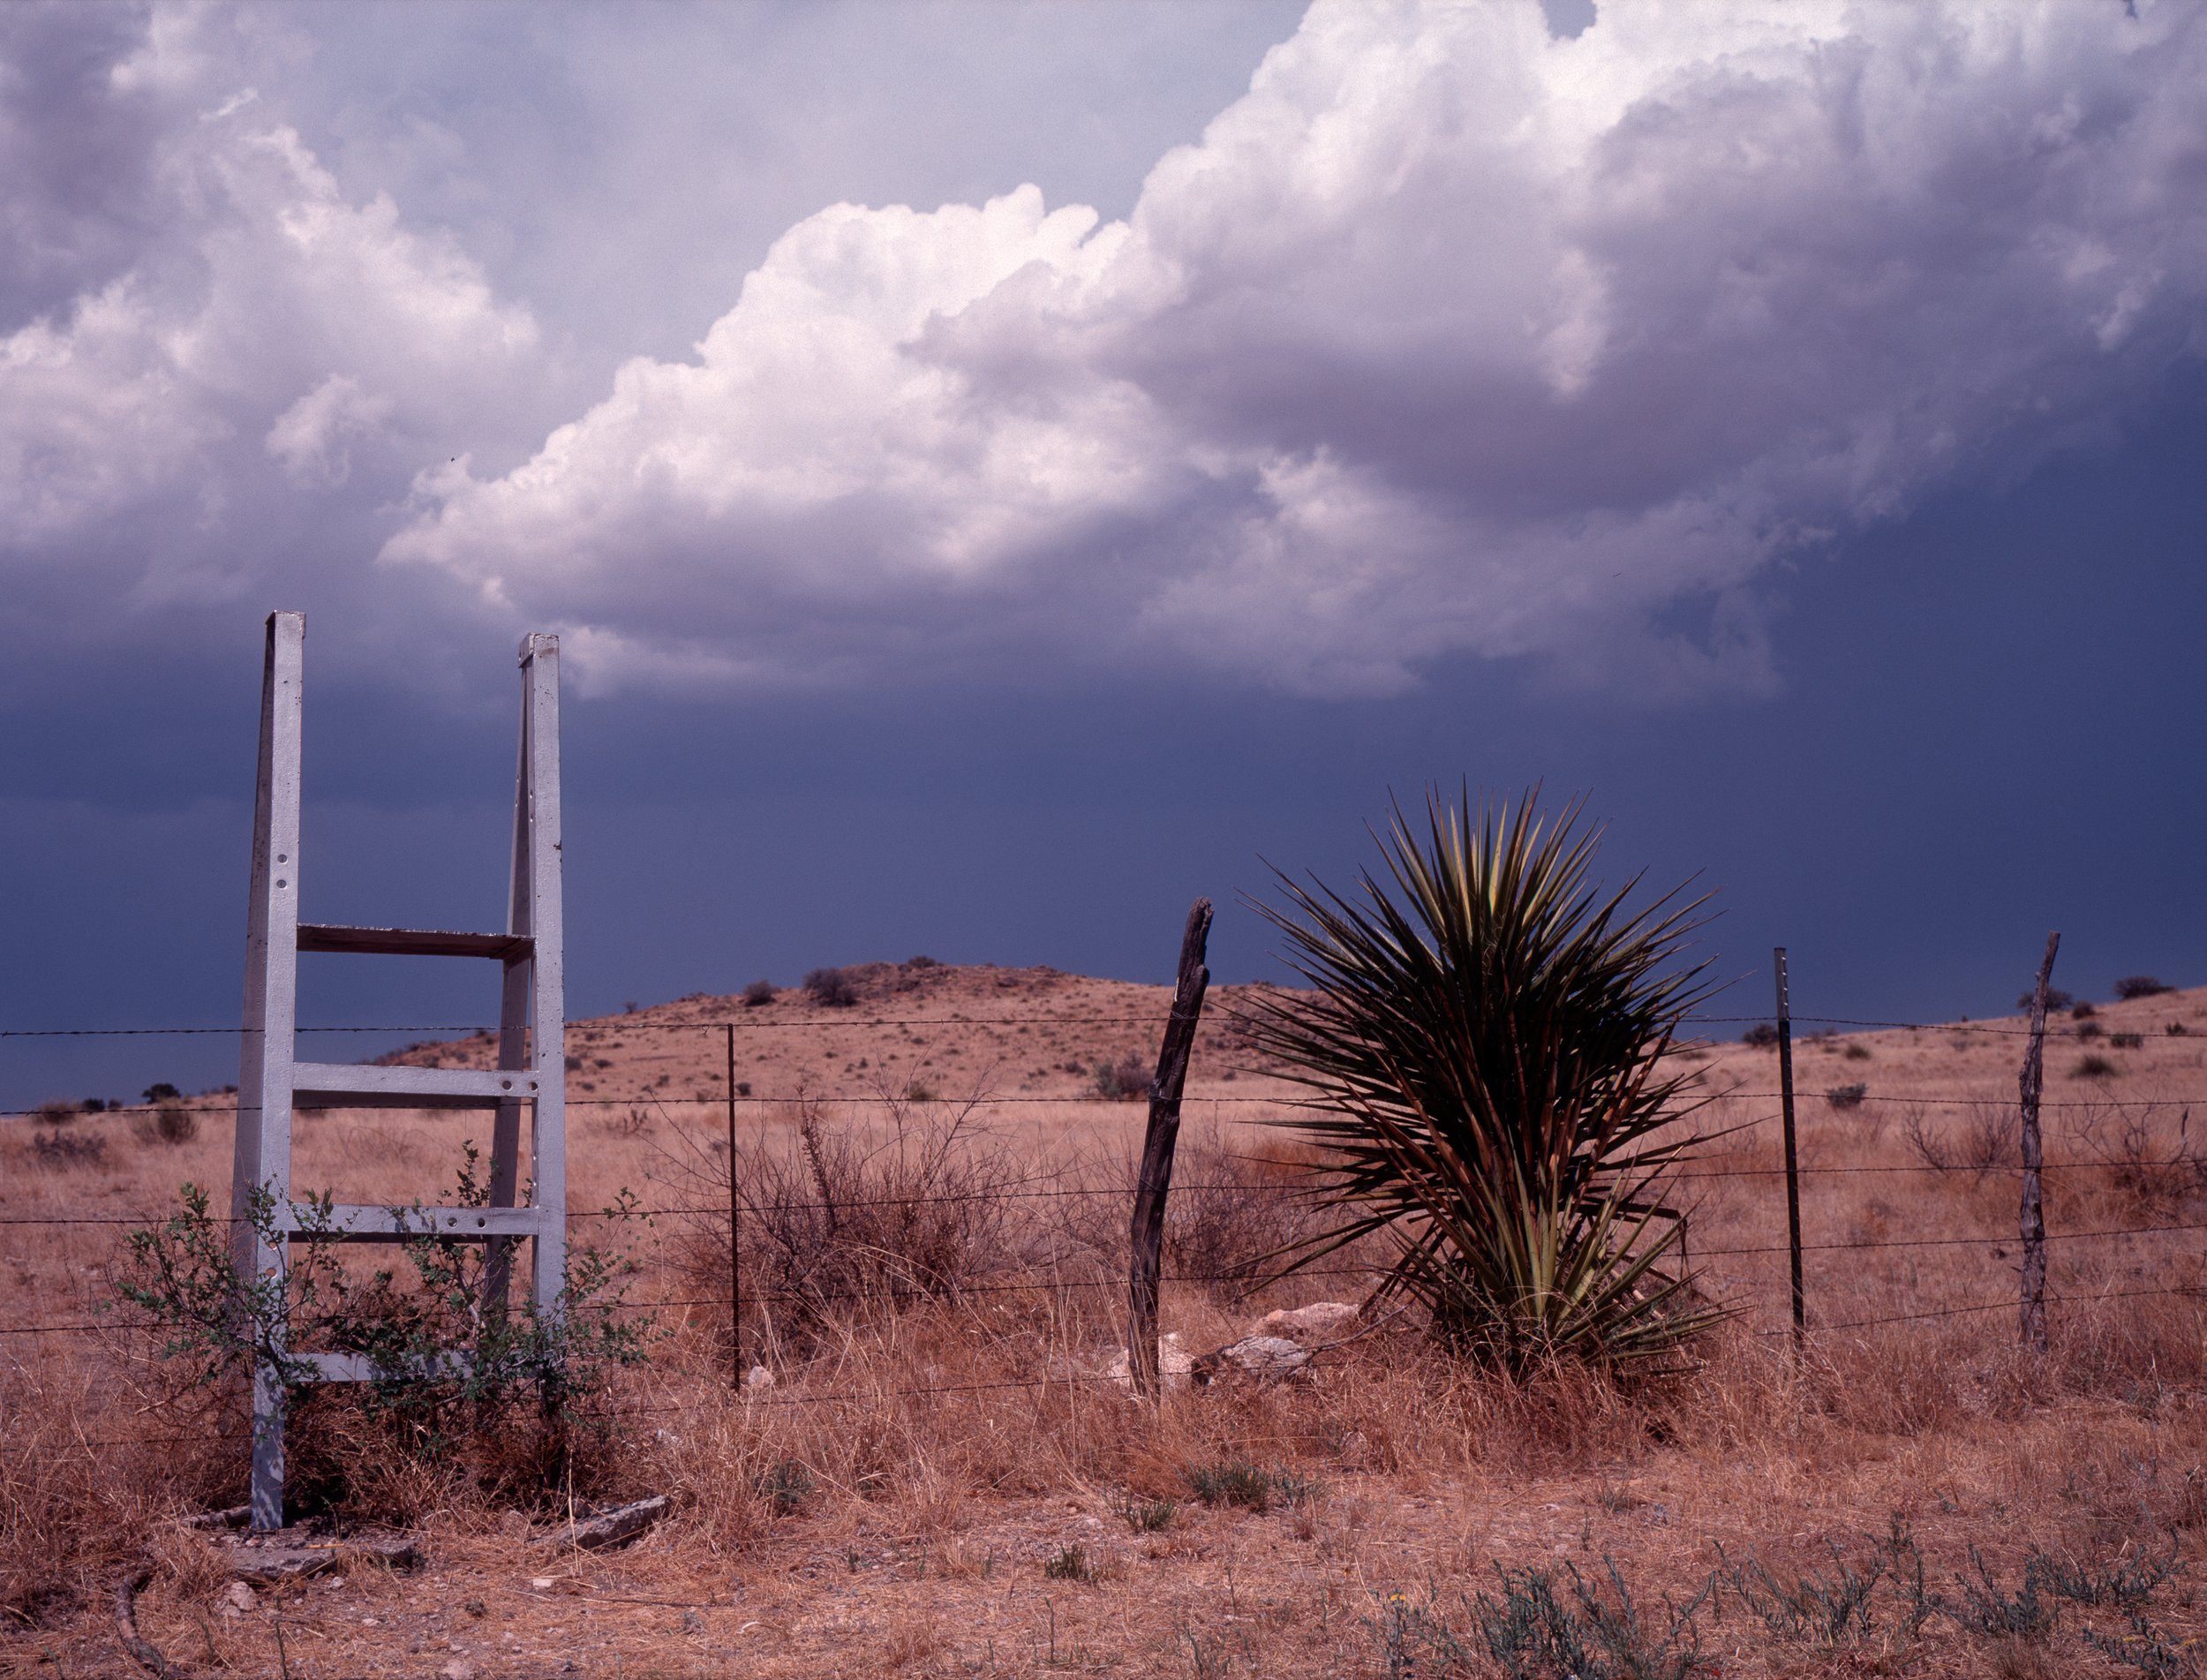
(515, 983)
(261, 1159)
(540, 656)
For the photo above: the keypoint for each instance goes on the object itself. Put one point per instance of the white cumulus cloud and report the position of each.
(1449, 338)
(179, 399)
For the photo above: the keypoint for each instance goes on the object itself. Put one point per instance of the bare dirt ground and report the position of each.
(952, 1489)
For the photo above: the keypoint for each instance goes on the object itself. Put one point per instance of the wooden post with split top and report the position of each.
(1147, 1264)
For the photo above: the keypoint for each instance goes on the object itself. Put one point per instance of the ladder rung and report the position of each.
(357, 1367)
(364, 1085)
(415, 942)
(365, 1223)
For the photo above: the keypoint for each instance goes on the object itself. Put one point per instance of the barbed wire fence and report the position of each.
(2130, 1157)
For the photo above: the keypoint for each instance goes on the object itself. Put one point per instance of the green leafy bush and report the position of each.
(455, 1360)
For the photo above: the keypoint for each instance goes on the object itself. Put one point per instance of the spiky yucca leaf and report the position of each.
(1485, 1049)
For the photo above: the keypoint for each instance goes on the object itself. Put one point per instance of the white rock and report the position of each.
(1266, 1357)
(759, 1377)
(1174, 1365)
(1319, 1322)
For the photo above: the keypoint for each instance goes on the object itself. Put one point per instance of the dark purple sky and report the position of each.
(1000, 469)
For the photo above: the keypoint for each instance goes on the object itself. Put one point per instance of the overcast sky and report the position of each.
(999, 470)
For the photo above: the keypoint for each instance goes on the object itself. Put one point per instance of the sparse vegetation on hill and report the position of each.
(2131, 987)
(831, 988)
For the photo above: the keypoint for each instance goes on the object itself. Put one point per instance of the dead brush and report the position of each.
(840, 1225)
(1984, 1136)
(170, 1122)
(2146, 1150)
(633, 1121)
(1229, 1214)
(77, 1496)
(916, 1413)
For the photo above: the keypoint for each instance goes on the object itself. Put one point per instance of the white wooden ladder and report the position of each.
(273, 1081)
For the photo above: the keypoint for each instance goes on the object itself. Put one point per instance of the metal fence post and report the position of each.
(1793, 1160)
(2033, 1217)
(736, 1246)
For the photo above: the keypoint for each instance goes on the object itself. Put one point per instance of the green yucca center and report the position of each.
(1485, 1047)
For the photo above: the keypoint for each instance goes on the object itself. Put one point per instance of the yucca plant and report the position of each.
(1485, 1054)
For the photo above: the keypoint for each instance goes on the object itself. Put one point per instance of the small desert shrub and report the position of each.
(1236, 1482)
(2057, 1000)
(1810, 1607)
(2082, 1011)
(170, 1123)
(784, 1485)
(1229, 1214)
(831, 988)
(1149, 1516)
(1542, 1626)
(2147, 1149)
(64, 1149)
(1987, 1608)
(1847, 1096)
(1070, 1563)
(2126, 1040)
(1985, 1137)
(842, 1225)
(1856, 1053)
(162, 1091)
(758, 994)
(57, 1112)
(1124, 1080)
(922, 962)
(2174, 1029)
(2141, 985)
(1762, 1036)
(2093, 1067)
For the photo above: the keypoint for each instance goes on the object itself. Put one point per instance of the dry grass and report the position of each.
(937, 1441)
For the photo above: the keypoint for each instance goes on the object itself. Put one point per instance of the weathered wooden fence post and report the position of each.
(1148, 1260)
(2034, 1212)
(1793, 1160)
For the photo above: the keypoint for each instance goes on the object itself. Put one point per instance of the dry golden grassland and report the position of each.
(939, 1480)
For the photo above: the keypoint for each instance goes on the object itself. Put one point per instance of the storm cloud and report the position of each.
(1453, 336)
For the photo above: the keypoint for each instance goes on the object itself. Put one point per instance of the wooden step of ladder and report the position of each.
(273, 1083)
